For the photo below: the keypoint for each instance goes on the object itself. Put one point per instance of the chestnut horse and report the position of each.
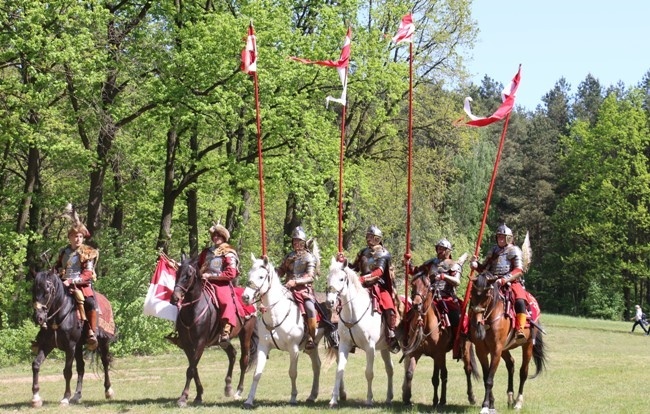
(493, 333)
(198, 325)
(55, 311)
(424, 335)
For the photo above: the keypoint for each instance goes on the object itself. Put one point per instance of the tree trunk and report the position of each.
(169, 195)
(192, 221)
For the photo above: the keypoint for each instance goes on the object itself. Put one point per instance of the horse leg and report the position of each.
(193, 357)
(315, 368)
(510, 366)
(81, 369)
(409, 370)
(342, 358)
(439, 376)
(388, 365)
(231, 352)
(468, 362)
(293, 373)
(527, 353)
(370, 375)
(67, 375)
(106, 363)
(245, 347)
(262, 352)
(482, 354)
(36, 367)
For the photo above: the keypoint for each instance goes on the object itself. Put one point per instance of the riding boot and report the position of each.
(312, 325)
(391, 323)
(225, 333)
(521, 322)
(91, 342)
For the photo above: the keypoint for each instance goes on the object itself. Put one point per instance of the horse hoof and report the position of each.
(248, 406)
(64, 402)
(310, 400)
(237, 396)
(228, 391)
(182, 404)
(37, 403)
(293, 403)
(485, 410)
(334, 406)
(109, 394)
(343, 396)
(76, 399)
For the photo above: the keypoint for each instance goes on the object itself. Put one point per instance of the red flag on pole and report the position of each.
(249, 54)
(508, 96)
(156, 303)
(341, 66)
(406, 30)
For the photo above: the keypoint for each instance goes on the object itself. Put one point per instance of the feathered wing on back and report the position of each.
(312, 245)
(526, 252)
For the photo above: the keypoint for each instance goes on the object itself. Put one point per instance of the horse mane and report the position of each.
(351, 274)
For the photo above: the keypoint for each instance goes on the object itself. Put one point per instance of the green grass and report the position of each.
(592, 366)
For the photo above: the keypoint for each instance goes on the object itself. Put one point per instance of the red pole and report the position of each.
(477, 248)
(260, 166)
(341, 154)
(407, 253)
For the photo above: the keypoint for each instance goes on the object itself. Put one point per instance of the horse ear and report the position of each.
(266, 260)
(253, 258)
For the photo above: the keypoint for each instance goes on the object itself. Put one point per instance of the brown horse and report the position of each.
(493, 334)
(425, 336)
(55, 311)
(198, 325)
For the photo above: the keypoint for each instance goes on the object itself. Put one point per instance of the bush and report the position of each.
(15, 344)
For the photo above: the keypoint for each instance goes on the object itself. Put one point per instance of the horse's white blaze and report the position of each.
(280, 326)
(358, 326)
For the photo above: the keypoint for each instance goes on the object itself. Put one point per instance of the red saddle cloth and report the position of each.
(105, 318)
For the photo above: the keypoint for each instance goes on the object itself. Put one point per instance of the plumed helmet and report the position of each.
(444, 243)
(374, 230)
(76, 225)
(505, 230)
(299, 233)
(220, 230)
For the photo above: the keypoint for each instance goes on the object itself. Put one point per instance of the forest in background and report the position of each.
(138, 114)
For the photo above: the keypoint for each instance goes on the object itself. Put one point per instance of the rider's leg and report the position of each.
(91, 312)
(312, 324)
(520, 310)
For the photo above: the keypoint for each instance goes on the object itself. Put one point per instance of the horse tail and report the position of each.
(252, 353)
(539, 353)
(331, 355)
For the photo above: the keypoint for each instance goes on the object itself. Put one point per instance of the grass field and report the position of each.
(592, 366)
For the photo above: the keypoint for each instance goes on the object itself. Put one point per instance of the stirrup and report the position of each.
(520, 334)
(310, 344)
(224, 338)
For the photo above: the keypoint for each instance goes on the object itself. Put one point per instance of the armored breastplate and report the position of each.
(504, 260)
(213, 263)
(300, 263)
(72, 263)
(372, 258)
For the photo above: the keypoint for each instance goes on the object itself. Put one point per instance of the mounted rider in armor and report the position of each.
(299, 271)
(76, 267)
(219, 265)
(505, 260)
(444, 274)
(373, 262)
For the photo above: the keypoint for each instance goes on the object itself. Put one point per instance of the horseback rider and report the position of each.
(76, 267)
(505, 260)
(219, 265)
(298, 268)
(373, 262)
(444, 274)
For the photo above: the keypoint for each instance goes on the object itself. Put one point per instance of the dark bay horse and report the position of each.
(425, 336)
(55, 312)
(199, 325)
(493, 334)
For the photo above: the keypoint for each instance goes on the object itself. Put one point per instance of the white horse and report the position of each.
(359, 326)
(280, 326)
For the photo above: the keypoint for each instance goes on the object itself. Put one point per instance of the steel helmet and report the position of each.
(374, 230)
(505, 230)
(444, 243)
(299, 233)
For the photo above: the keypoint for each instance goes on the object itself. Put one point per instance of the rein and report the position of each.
(340, 305)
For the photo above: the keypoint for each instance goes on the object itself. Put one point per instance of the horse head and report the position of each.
(44, 292)
(259, 279)
(484, 296)
(338, 281)
(420, 289)
(186, 279)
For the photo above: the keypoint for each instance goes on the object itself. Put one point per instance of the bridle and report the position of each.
(346, 284)
(50, 292)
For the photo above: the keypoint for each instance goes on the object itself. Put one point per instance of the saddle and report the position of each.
(532, 306)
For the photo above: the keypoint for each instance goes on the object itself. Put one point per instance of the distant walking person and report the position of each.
(639, 320)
